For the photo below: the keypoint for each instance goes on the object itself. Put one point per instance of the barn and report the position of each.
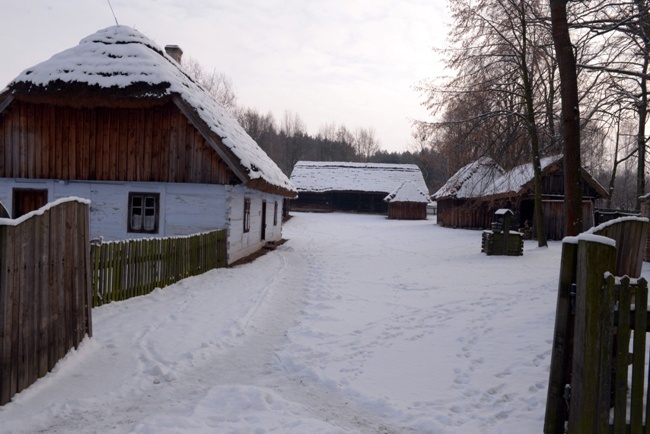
(407, 202)
(347, 186)
(117, 121)
(472, 195)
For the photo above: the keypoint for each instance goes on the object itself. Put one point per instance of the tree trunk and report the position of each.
(533, 133)
(570, 116)
(642, 108)
(612, 179)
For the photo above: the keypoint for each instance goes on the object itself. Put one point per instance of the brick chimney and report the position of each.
(175, 52)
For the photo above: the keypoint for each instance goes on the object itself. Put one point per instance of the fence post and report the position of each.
(591, 374)
(557, 411)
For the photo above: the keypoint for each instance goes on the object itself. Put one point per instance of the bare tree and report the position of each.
(217, 83)
(622, 31)
(498, 100)
(366, 143)
(570, 116)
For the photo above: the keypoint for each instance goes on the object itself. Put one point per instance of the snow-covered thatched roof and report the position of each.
(485, 178)
(472, 180)
(120, 63)
(318, 177)
(408, 192)
(519, 177)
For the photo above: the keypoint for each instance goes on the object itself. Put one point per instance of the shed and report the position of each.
(472, 205)
(347, 186)
(116, 120)
(407, 202)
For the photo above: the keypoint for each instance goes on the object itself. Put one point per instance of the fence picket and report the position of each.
(44, 287)
(136, 267)
(622, 339)
(638, 358)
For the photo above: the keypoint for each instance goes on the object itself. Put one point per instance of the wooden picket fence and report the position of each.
(125, 269)
(596, 385)
(45, 298)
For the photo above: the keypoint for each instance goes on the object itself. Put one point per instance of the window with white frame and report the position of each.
(275, 214)
(143, 212)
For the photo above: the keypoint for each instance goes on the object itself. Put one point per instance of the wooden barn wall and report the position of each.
(152, 144)
(350, 201)
(460, 213)
(407, 211)
(554, 222)
(553, 184)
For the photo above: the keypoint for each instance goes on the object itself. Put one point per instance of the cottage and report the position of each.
(471, 196)
(117, 121)
(407, 202)
(346, 186)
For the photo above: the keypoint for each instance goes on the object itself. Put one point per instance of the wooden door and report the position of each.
(263, 220)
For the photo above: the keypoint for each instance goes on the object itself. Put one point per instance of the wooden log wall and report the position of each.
(155, 143)
(45, 305)
(407, 211)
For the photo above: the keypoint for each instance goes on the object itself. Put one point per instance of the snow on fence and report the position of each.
(45, 307)
(125, 269)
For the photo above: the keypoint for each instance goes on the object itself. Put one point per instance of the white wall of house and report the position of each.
(243, 243)
(184, 208)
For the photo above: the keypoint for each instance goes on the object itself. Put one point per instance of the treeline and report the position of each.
(288, 142)
(503, 97)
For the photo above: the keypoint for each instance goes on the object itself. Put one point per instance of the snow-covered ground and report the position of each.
(357, 324)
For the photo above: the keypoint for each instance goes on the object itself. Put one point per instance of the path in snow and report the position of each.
(356, 324)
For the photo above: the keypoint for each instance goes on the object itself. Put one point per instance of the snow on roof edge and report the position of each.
(120, 56)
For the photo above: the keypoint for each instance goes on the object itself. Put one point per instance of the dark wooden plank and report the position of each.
(23, 171)
(53, 293)
(15, 138)
(43, 272)
(7, 300)
(165, 129)
(37, 139)
(147, 145)
(560, 371)
(173, 147)
(91, 143)
(59, 284)
(156, 144)
(74, 137)
(66, 142)
(638, 359)
(139, 144)
(591, 372)
(5, 130)
(622, 350)
(132, 156)
(48, 140)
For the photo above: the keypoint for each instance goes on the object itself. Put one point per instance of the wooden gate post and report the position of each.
(591, 372)
(557, 411)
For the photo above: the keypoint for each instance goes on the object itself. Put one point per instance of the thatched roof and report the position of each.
(119, 65)
(408, 192)
(472, 180)
(321, 176)
(485, 178)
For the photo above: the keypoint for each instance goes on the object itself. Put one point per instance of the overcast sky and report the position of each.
(350, 62)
